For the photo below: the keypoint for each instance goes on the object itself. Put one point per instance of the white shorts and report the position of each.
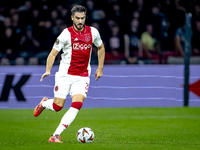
(70, 84)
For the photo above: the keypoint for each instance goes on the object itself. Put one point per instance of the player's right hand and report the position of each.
(44, 75)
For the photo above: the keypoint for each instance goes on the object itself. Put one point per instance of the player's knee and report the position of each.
(77, 105)
(56, 107)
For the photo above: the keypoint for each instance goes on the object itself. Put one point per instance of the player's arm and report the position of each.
(101, 58)
(50, 62)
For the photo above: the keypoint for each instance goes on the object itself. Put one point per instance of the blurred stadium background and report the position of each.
(152, 51)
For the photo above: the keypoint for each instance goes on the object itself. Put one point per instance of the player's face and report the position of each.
(79, 20)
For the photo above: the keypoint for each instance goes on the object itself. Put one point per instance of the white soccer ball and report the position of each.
(85, 135)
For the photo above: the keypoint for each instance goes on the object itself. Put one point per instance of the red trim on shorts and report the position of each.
(77, 105)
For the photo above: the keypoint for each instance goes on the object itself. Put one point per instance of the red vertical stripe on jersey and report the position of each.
(81, 49)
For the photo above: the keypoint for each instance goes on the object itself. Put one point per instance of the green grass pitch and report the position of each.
(114, 128)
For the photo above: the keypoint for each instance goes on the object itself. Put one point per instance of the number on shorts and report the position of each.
(87, 85)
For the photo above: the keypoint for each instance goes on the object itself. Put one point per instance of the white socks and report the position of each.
(48, 104)
(68, 117)
(66, 120)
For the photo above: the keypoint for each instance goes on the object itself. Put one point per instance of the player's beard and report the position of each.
(79, 28)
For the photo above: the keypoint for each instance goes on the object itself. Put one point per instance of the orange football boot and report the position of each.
(38, 109)
(55, 139)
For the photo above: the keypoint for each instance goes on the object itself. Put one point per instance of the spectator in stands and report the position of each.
(195, 40)
(29, 45)
(9, 46)
(136, 15)
(36, 18)
(90, 4)
(46, 38)
(150, 45)
(196, 11)
(26, 12)
(49, 37)
(60, 25)
(116, 43)
(116, 14)
(179, 39)
(142, 9)
(8, 57)
(95, 13)
(16, 26)
(133, 46)
(64, 13)
(7, 22)
(54, 15)
(15, 20)
(196, 29)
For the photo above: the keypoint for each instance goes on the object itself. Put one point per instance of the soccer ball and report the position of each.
(85, 135)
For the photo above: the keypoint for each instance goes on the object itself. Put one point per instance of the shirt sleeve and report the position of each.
(96, 37)
(61, 40)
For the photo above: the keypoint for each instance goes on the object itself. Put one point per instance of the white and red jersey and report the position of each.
(77, 49)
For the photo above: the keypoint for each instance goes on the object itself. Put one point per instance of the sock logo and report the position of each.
(65, 125)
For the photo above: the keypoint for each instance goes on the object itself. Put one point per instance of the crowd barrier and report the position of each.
(120, 86)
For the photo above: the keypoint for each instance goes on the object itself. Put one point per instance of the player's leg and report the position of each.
(55, 104)
(78, 93)
(69, 116)
(61, 90)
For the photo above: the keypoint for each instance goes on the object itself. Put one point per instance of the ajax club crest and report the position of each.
(87, 38)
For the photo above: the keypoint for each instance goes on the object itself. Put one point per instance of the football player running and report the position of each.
(74, 69)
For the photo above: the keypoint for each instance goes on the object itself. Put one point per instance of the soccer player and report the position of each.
(74, 69)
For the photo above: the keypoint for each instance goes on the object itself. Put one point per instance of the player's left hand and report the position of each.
(98, 73)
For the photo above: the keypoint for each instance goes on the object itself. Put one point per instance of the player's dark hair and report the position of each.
(78, 8)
